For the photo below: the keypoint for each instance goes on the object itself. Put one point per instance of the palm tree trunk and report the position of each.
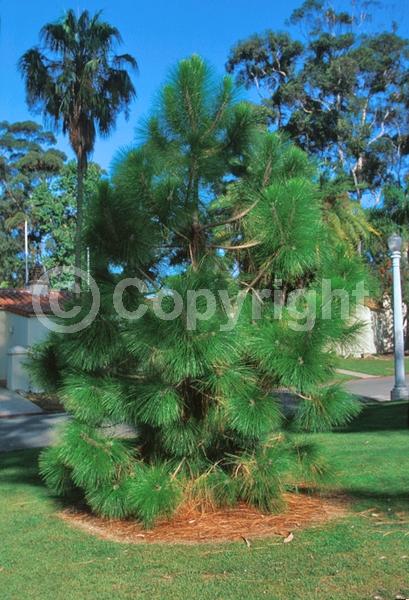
(81, 167)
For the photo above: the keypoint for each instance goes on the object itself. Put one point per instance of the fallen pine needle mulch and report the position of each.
(230, 524)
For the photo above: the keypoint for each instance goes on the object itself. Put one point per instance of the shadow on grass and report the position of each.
(374, 416)
(21, 467)
(391, 502)
(363, 497)
(366, 494)
(391, 416)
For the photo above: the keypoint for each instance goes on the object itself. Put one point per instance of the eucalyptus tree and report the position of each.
(76, 79)
(338, 88)
(29, 163)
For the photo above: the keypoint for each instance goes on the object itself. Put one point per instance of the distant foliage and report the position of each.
(338, 86)
(29, 162)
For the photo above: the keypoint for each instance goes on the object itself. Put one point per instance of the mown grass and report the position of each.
(361, 556)
(381, 366)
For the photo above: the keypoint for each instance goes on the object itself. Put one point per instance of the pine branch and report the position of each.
(239, 247)
(232, 219)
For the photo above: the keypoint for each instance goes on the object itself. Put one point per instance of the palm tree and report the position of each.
(348, 222)
(78, 81)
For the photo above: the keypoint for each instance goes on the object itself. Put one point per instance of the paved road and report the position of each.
(38, 430)
(374, 389)
(34, 431)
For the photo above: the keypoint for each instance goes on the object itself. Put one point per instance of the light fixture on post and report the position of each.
(400, 390)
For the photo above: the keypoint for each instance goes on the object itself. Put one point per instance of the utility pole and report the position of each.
(26, 276)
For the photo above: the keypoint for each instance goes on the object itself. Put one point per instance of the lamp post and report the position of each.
(400, 390)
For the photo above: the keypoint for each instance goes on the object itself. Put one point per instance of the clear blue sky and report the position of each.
(157, 32)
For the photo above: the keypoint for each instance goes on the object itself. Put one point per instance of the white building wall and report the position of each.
(37, 332)
(17, 330)
(365, 341)
(3, 344)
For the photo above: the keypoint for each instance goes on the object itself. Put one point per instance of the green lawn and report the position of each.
(358, 557)
(378, 365)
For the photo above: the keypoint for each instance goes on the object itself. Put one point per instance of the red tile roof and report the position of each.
(21, 301)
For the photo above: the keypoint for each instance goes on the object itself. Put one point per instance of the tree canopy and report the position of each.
(29, 162)
(340, 91)
(37, 186)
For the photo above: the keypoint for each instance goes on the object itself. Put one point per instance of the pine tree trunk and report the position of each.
(197, 244)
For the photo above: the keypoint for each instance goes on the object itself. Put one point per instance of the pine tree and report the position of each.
(209, 201)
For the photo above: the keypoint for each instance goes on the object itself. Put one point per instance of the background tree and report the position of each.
(340, 94)
(52, 208)
(28, 162)
(77, 81)
(392, 216)
(208, 181)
